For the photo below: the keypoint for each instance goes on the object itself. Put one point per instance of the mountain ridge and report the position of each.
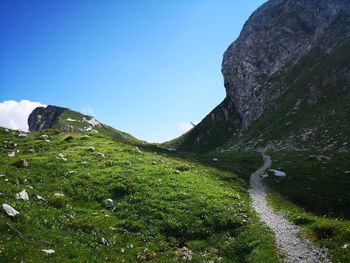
(281, 37)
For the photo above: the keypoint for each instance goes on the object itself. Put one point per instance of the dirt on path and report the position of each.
(294, 248)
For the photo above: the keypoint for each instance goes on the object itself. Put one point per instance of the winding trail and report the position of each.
(286, 233)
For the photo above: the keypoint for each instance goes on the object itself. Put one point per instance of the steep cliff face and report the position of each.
(278, 39)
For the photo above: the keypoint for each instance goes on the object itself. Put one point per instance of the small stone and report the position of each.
(22, 135)
(40, 198)
(58, 194)
(30, 151)
(22, 196)
(44, 136)
(345, 246)
(10, 211)
(215, 160)
(21, 164)
(11, 154)
(136, 149)
(91, 149)
(108, 203)
(48, 251)
(104, 242)
(100, 155)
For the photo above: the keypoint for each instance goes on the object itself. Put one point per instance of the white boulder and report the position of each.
(9, 210)
(22, 196)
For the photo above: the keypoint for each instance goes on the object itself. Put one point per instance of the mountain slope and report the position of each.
(290, 62)
(95, 199)
(66, 120)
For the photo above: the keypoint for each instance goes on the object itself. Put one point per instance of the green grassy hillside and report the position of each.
(162, 209)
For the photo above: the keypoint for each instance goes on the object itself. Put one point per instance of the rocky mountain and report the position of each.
(287, 80)
(66, 120)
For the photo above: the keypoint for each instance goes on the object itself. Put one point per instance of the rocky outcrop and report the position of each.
(44, 118)
(279, 37)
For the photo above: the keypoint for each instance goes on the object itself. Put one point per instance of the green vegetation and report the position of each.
(78, 125)
(163, 208)
(315, 195)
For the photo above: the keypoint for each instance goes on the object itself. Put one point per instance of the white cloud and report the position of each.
(88, 111)
(14, 115)
(184, 127)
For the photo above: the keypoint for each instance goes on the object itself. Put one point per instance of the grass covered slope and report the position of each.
(66, 120)
(315, 195)
(162, 209)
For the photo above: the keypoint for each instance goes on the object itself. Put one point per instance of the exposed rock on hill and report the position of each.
(287, 48)
(66, 120)
(44, 118)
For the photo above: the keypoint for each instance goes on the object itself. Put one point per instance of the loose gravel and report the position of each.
(286, 233)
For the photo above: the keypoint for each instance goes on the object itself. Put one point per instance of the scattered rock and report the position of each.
(345, 246)
(30, 151)
(104, 242)
(22, 196)
(58, 194)
(136, 149)
(347, 172)
(185, 253)
(22, 135)
(278, 173)
(62, 157)
(108, 203)
(154, 162)
(9, 144)
(11, 154)
(21, 164)
(91, 149)
(44, 136)
(48, 251)
(40, 198)
(9, 210)
(100, 155)
(215, 159)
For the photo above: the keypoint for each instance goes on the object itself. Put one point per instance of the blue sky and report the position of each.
(144, 67)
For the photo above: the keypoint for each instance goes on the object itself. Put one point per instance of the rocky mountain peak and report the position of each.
(276, 35)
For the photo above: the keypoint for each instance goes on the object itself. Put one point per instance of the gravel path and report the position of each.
(286, 233)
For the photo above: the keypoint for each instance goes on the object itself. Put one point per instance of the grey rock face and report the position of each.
(278, 34)
(44, 118)
(279, 48)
